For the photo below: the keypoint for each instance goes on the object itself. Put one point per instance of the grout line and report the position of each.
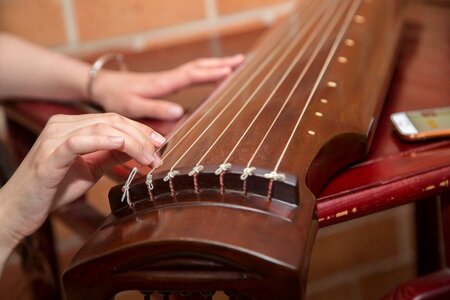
(405, 228)
(356, 273)
(70, 22)
(211, 10)
(138, 41)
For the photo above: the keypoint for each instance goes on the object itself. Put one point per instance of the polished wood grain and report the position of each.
(208, 232)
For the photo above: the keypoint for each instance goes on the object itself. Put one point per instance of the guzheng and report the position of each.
(232, 208)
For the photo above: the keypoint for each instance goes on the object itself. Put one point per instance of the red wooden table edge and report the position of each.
(337, 209)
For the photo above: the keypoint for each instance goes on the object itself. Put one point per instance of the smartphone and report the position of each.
(422, 124)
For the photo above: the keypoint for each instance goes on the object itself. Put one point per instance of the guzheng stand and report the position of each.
(394, 173)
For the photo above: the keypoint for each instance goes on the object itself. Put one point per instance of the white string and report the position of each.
(302, 75)
(196, 170)
(267, 77)
(296, 59)
(247, 172)
(236, 82)
(222, 168)
(172, 173)
(149, 182)
(126, 187)
(260, 67)
(333, 50)
(275, 176)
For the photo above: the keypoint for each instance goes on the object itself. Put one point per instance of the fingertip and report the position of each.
(239, 56)
(222, 72)
(175, 111)
(157, 162)
(238, 59)
(157, 139)
(148, 157)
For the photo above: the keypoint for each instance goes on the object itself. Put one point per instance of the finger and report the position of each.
(201, 75)
(66, 125)
(198, 71)
(132, 146)
(230, 61)
(103, 161)
(65, 154)
(158, 109)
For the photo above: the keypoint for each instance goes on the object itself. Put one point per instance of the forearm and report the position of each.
(27, 70)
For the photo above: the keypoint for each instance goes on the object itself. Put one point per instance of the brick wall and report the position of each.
(93, 25)
(364, 258)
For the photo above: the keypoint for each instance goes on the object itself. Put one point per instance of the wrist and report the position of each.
(99, 88)
(9, 236)
(96, 72)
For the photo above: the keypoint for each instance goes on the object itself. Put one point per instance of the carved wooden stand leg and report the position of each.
(436, 285)
(427, 236)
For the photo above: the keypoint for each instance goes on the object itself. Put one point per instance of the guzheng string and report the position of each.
(172, 173)
(231, 87)
(236, 82)
(215, 103)
(249, 170)
(331, 54)
(306, 7)
(337, 42)
(225, 165)
(274, 175)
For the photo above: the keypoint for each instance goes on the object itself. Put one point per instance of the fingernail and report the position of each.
(157, 161)
(116, 139)
(239, 57)
(148, 157)
(157, 138)
(227, 70)
(176, 110)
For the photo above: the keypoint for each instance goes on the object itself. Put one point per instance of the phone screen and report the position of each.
(430, 120)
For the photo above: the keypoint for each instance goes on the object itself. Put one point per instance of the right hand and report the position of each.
(68, 158)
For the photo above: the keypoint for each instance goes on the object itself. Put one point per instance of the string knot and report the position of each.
(149, 182)
(171, 175)
(223, 168)
(126, 187)
(196, 170)
(275, 176)
(247, 172)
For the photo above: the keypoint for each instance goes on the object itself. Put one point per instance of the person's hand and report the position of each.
(136, 95)
(69, 156)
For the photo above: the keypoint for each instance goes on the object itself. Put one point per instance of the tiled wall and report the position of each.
(85, 25)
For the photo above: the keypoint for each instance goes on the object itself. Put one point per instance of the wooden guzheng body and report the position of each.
(233, 206)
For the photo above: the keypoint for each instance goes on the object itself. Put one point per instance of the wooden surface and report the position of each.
(210, 230)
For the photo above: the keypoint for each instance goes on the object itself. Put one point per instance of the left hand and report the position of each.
(135, 94)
